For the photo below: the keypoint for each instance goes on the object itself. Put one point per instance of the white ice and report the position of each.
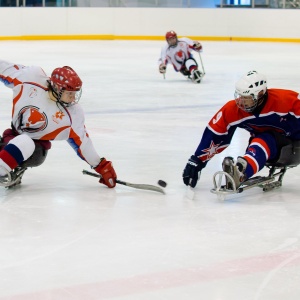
(64, 236)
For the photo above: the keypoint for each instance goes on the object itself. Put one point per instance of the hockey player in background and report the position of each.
(177, 52)
(271, 116)
(44, 109)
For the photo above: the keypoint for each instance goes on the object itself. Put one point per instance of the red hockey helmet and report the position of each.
(171, 34)
(65, 79)
(171, 38)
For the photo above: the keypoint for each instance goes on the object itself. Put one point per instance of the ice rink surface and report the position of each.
(64, 236)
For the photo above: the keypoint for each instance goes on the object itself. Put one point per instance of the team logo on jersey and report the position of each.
(211, 151)
(180, 56)
(58, 116)
(32, 92)
(252, 151)
(32, 119)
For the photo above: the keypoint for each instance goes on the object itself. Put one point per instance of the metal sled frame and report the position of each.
(267, 183)
(14, 178)
(289, 158)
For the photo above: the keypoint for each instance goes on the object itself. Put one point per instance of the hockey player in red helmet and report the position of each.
(177, 52)
(45, 109)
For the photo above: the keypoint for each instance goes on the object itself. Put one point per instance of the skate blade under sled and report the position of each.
(13, 178)
(197, 77)
(289, 158)
(265, 182)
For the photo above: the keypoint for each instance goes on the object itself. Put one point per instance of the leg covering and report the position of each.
(19, 149)
(261, 148)
(37, 158)
(191, 64)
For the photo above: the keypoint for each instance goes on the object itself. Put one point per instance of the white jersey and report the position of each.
(39, 117)
(177, 55)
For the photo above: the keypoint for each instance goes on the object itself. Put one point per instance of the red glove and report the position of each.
(106, 170)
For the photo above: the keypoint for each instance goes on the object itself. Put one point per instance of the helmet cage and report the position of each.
(247, 103)
(58, 93)
(249, 90)
(65, 81)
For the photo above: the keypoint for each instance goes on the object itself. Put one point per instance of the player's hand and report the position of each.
(197, 46)
(192, 171)
(162, 68)
(106, 170)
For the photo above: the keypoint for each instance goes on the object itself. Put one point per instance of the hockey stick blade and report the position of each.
(139, 186)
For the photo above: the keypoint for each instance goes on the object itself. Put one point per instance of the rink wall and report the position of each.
(243, 24)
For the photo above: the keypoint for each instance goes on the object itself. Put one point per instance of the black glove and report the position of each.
(191, 172)
(197, 46)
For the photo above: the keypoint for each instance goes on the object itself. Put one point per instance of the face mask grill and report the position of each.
(246, 103)
(69, 98)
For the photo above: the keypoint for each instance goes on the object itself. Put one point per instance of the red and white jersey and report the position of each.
(177, 55)
(39, 117)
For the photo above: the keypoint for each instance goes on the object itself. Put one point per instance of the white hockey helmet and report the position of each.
(249, 90)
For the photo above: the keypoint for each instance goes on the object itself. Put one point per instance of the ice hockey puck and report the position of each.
(162, 183)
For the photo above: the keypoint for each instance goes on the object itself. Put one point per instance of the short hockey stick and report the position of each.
(139, 186)
(201, 64)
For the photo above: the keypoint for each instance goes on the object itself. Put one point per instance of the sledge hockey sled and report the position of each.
(13, 178)
(289, 158)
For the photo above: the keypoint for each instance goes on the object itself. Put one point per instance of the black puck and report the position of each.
(162, 183)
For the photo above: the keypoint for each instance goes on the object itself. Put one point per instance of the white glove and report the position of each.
(197, 46)
(162, 68)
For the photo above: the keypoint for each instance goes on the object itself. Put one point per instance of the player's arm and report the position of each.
(80, 141)
(219, 132)
(86, 151)
(9, 73)
(216, 138)
(13, 75)
(210, 145)
(194, 45)
(163, 61)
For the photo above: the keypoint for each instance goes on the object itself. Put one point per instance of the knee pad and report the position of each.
(190, 62)
(25, 145)
(37, 158)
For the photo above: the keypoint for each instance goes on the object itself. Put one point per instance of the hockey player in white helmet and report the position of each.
(177, 52)
(272, 118)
